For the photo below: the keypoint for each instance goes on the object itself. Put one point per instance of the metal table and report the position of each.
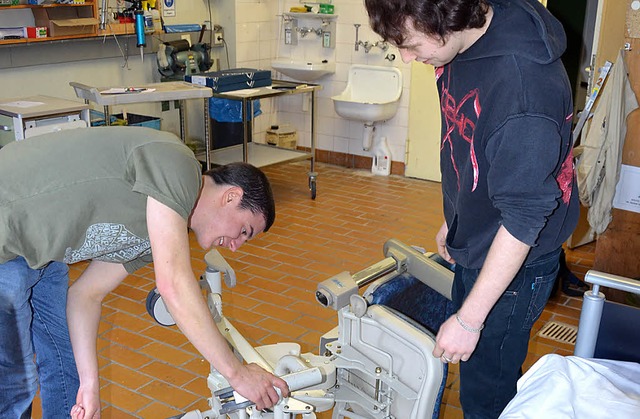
(159, 92)
(261, 155)
(19, 116)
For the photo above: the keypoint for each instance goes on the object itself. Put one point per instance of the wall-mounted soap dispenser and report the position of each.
(328, 34)
(290, 33)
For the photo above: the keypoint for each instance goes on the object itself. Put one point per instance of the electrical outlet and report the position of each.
(218, 37)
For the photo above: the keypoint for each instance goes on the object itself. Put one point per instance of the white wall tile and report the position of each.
(260, 40)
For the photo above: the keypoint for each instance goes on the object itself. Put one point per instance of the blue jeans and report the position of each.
(488, 379)
(33, 321)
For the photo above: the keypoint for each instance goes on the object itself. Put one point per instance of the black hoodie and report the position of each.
(506, 136)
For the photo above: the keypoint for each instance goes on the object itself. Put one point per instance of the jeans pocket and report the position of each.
(541, 289)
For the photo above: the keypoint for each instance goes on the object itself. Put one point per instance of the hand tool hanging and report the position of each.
(138, 14)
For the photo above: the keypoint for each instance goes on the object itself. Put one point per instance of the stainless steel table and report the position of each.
(261, 155)
(156, 92)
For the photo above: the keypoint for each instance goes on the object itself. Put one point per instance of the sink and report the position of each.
(303, 70)
(372, 94)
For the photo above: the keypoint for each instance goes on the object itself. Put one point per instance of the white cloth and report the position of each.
(601, 149)
(562, 387)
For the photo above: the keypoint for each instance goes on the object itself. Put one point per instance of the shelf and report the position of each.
(260, 155)
(309, 15)
(47, 39)
(44, 14)
(44, 6)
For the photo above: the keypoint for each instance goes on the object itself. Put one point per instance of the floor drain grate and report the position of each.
(560, 332)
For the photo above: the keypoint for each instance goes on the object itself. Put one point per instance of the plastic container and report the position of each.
(157, 20)
(148, 22)
(97, 120)
(381, 164)
(140, 120)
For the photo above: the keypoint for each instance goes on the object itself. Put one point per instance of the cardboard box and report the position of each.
(284, 136)
(66, 21)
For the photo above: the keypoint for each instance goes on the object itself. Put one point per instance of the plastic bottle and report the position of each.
(148, 22)
(381, 164)
(157, 20)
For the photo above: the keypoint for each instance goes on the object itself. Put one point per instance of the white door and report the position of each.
(423, 146)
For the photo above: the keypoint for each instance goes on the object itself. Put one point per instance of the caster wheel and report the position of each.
(158, 310)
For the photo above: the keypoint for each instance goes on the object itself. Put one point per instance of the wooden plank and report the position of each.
(618, 248)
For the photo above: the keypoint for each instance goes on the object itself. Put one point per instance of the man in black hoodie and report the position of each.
(508, 182)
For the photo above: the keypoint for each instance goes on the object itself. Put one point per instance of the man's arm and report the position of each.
(181, 293)
(505, 257)
(84, 304)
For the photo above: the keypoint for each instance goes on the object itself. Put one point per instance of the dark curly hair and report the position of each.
(438, 18)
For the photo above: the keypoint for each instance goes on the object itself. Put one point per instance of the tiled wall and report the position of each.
(259, 39)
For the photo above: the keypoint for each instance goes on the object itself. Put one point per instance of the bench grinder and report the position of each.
(178, 58)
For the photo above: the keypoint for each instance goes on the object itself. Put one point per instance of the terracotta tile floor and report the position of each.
(150, 371)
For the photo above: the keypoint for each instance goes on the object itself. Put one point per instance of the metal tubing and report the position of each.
(373, 272)
(245, 130)
(207, 137)
(589, 324)
(244, 348)
(313, 131)
(612, 281)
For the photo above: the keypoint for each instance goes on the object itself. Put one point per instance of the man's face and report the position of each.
(237, 227)
(228, 226)
(428, 49)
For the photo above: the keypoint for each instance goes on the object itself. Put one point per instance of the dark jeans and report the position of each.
(488, 379)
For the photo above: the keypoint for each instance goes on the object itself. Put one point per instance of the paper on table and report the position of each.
(125, 90)
(23, 104)
(242, 92)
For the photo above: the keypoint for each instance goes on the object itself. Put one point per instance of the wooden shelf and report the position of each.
(87, 9)
(44, 6)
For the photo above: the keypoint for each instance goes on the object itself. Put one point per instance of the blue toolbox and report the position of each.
(232, 79)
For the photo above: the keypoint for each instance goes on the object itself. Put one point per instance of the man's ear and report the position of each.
(232, 195)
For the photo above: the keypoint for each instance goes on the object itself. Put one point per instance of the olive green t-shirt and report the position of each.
(81, 194)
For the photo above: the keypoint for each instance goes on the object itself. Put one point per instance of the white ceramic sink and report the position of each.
(372, 94)
(303, 70)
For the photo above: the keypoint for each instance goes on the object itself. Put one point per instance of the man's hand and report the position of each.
(453, 343)
(258, 385)
(87, 404)
(183, 297)
(441, 243)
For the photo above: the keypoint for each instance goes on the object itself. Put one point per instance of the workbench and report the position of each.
(154, 92)
(23, 117)
(261, 155)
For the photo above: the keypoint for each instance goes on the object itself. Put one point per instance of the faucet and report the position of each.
(383, 45)
(366, 45)
(304, 31)
(369, 45)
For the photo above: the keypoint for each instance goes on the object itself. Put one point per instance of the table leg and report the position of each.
(312, 173)
(107, 115)
(245, 131)
(207, 139)
(183, 127)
